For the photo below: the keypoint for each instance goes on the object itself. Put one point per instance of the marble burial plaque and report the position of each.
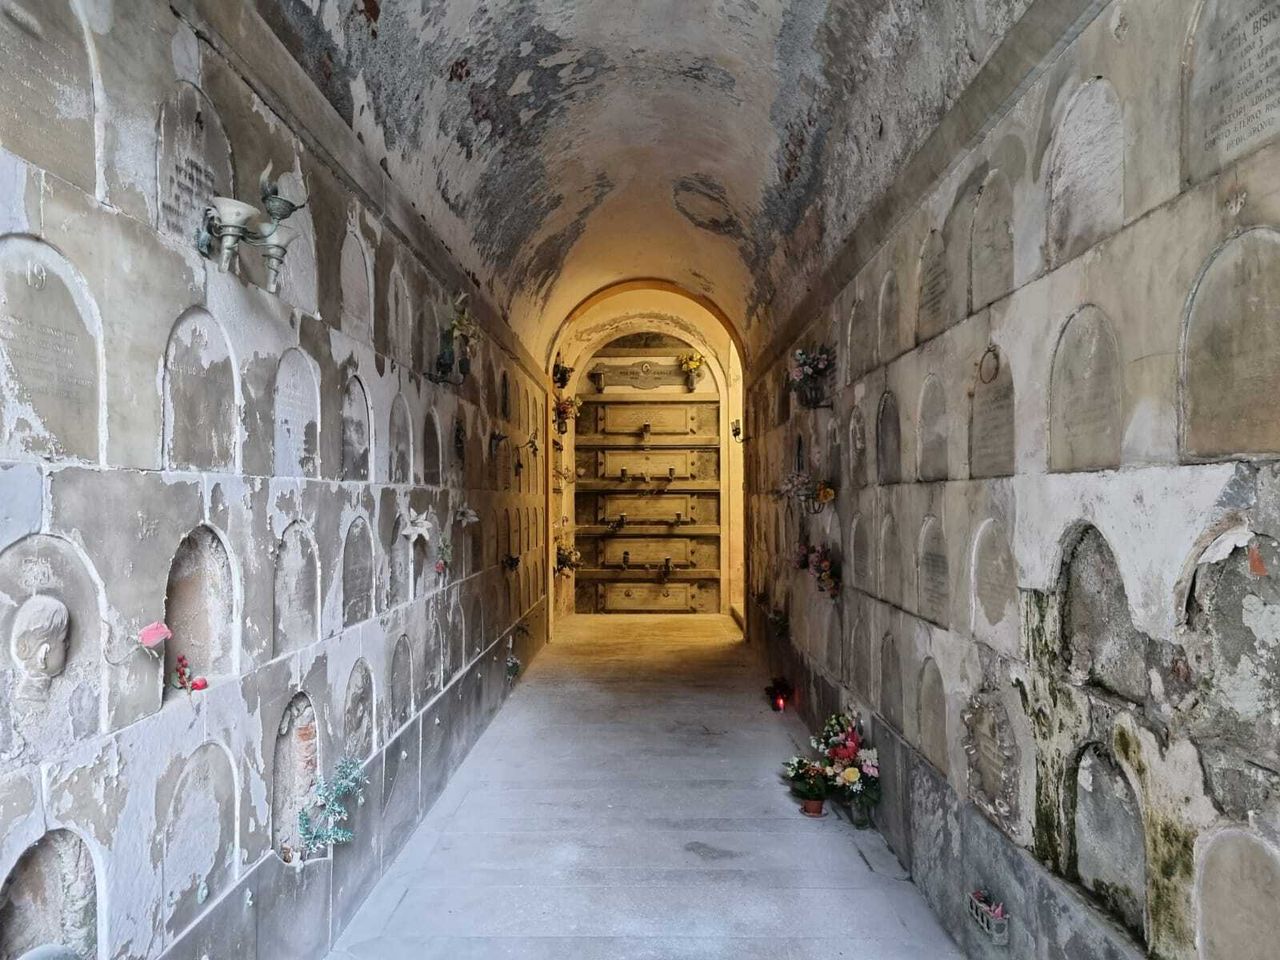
(993, 756)
(1233, 84)
(355, 431)
(48, 358)
(934, 583)
(201, 421)
(995, 584)
(46, 114)
(934, 314)
(890, 561)
(933, 431)
(297, 588)
(888, 317)
(193, 161)
(357, 297)
(888, 440)
(357, 713)
(1086, 175)
(1237, 893)
(1086, 411)
(1232, 352)
(297, 417)
(932, 714)
(991, 252)
(991, 419)
(357, 574)
(399, 452)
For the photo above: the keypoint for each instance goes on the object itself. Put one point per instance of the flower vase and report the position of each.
(812, 808)
(810, 392)
(859, 816)
(690, 380)
(562, 427)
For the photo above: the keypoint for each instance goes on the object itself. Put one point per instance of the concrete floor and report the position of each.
(625, 803)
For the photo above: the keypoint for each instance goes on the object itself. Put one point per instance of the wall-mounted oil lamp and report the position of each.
(735, 430)
(560, 374)
(531, 445)
(511, 562)
(231, 222)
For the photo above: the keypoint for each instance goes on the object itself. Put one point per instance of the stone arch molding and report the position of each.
(52, 365)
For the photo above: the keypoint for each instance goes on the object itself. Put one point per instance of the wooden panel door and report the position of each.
(647, 496)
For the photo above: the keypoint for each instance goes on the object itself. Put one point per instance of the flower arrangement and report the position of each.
(514, 667)
(811, 493)
(692, 362)
(821, 566)
(444, 556)
(565, 409)
(844, 768)
(153, 636)
(463, 326)
(348, 781)
(182, 679)
(808, 373)
(568, 559)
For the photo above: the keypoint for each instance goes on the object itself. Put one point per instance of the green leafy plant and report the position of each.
(348, 781)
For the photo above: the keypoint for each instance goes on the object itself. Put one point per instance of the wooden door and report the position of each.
(647, 498)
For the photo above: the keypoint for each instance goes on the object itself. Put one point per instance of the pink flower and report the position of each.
(154, 634)
(199, 683)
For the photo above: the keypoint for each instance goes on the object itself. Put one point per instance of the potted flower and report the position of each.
(568, 559)
(855, 767)
(809, 782)
(809, 372)
(692, 364)
(565, 409)
(812, 494)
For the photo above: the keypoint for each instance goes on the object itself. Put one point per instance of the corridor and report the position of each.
(625, 803)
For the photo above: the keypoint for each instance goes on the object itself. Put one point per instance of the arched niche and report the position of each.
(933, 574)
(931, 716)
(356, 437)
(991, 249)
(932, 433)
(856, 444)
(991, 417)
(1231, 351)
(357, 573)
(888, 440)
(50, 353)
(995, 588)
(890, 551)
(860, 552)
(431, 450)
(1086, 396)
(1108, 837)
(1086, 172)
(1227, 90)
(51, 637)
(421, 566)
(296, 618)
(400, 574)
(888, 317)
(504, 396)
(358, 713)
(51, 898)
(295, 764)
(201, 402)
(399, 443)
(198, 834)
(357, 285)
(1100, 645)
(400, 685)
(48, 118)
(200, 607)
(890, 682)
(1236, 898)
(193, 161)
(858, 659)
(297, 416)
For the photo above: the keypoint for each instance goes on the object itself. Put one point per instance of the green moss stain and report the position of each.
(1170, 867)
(1129, 750)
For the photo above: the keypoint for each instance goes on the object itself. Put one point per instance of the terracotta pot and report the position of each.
(812, 808)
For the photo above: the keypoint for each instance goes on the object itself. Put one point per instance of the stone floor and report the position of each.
(625, 803)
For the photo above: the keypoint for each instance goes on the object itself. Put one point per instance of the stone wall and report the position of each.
(274, 476)
(1055, 438)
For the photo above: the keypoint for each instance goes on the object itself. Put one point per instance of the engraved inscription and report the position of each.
(193, 161)
(991, 449)
(1086, 413)
(935, 594)
(1233, 94)
(935, 285)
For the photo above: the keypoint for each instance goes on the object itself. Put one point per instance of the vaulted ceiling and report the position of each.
(559, 146)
